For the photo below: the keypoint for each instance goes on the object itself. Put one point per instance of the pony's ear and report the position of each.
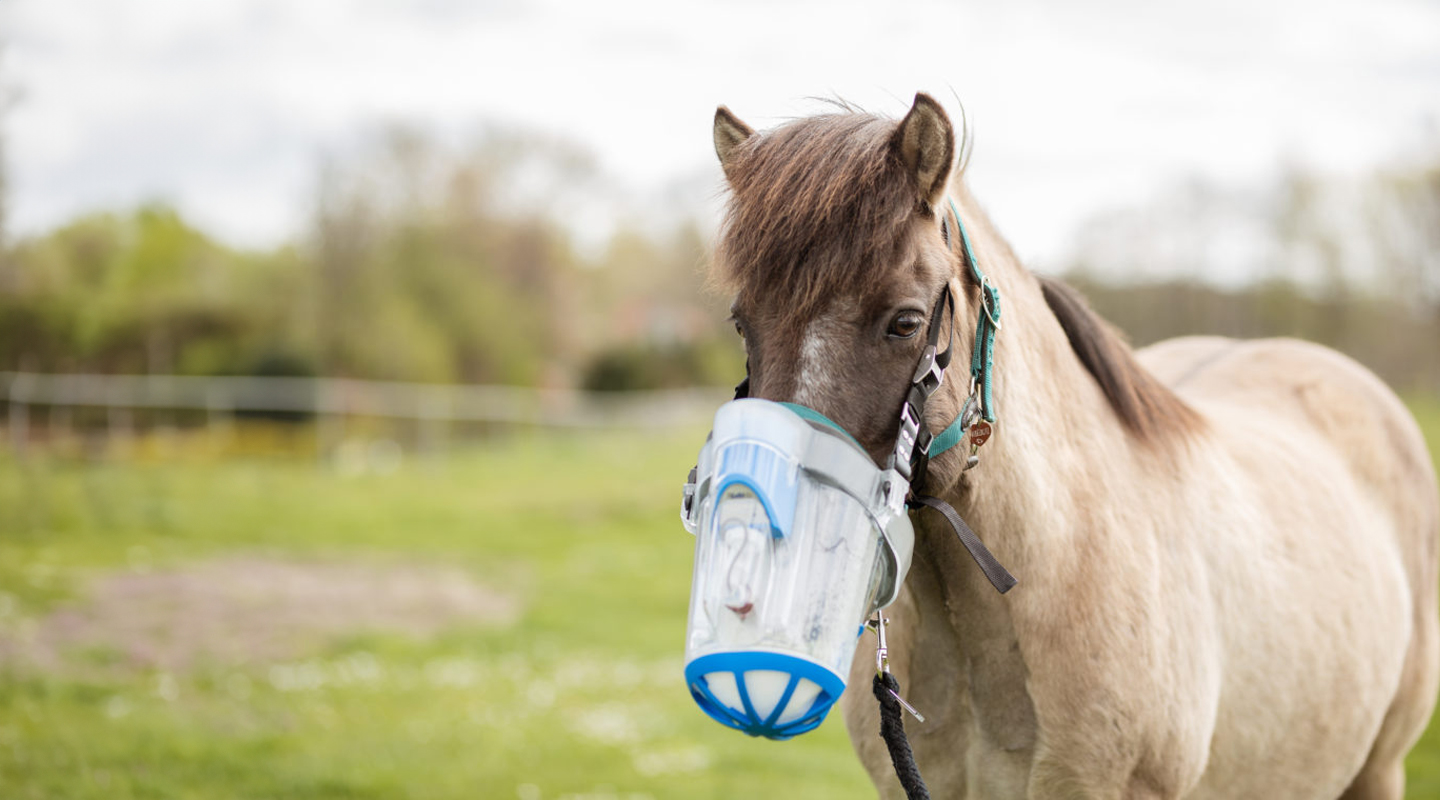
(730, 132)
(926, 145)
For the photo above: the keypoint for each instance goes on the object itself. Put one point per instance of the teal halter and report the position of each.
(980, 404)
(914, 446)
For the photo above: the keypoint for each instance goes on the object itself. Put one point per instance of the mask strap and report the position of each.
(998, 576)
(742, 389)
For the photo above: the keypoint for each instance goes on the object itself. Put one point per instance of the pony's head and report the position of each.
(833, 249)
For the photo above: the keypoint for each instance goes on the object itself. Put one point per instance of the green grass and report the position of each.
(582, 697)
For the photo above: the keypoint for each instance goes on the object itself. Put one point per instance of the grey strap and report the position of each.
(999, 577)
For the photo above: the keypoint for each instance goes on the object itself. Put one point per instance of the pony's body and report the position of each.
(1227, 590)
(1234, 623)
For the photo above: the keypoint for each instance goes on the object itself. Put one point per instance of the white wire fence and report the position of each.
(38, 403)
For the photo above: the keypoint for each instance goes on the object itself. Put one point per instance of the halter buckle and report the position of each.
(990, 296)
(977, 429)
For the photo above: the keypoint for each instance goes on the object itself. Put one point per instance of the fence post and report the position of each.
(60, 426)
(432, 414)
(19, 426)
(17, 423)
(117, 430)
(219, 418)
(329, 421)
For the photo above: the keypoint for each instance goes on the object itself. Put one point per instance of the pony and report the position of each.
(1226, 550)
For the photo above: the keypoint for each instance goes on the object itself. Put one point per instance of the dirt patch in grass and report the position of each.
(248, 610)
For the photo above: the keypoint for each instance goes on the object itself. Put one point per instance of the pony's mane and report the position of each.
(820, 205)
(817, 205)
(1147, 407)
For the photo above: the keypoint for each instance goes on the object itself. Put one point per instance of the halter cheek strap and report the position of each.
(980, 405)
(913, 446)
(975, 418)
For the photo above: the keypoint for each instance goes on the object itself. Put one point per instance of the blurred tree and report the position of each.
(432, 265)
(7, 99)
(144, 292)
(1353, 263)
(422, 262)
(658, 327)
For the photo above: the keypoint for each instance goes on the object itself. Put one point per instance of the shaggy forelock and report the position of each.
(818, 207)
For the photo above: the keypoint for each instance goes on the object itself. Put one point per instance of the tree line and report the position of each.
(1349, 262)
(435, 263)
(421, 262)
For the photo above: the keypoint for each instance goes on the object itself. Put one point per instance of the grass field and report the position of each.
(525, 643)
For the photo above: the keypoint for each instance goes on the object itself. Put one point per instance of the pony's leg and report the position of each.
(1378, 782)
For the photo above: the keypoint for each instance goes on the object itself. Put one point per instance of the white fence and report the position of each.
(332, 400)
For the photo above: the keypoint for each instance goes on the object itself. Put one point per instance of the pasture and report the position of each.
(506, 623)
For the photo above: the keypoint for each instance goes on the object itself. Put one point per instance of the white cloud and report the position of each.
(223, 105)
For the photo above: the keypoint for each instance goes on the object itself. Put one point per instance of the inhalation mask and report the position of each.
(799, 539)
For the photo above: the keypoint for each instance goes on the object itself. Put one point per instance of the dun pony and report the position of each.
(1226, 550)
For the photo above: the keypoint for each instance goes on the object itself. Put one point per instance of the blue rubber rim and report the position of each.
(748, 721)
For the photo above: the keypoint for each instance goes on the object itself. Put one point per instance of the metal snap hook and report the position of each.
(882, 663)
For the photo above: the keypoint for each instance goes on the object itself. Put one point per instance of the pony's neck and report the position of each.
(1053, 421)
(1034, 499)
(1040, 488)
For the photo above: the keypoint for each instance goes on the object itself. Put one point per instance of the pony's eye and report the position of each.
(905, 325)
(739, 330)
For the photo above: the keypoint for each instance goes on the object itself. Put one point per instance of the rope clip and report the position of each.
(882, 663)
(882, 648)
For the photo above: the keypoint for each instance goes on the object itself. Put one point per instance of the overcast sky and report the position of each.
(223, 106)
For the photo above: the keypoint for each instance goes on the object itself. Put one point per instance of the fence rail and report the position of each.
(332, 400)
(342, 396)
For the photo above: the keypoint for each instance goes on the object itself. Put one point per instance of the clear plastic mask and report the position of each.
(791, 556)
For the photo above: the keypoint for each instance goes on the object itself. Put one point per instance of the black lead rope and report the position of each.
(887, 689)
(892, 730)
